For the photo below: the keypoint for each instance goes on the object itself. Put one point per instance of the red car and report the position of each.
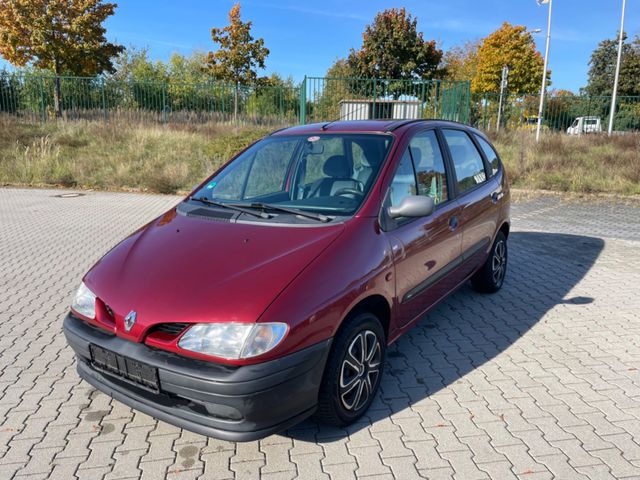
(272, 291)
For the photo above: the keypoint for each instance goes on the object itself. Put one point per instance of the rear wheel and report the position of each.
(490, 277)
(353, 372)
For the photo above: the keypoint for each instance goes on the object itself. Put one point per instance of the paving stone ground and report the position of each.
(539, 381)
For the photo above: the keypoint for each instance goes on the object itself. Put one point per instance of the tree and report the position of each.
(512, 46)
(392, 47)
(603, 66)
(61, 36)
(239, 54)
(558, 113)
(460, 63)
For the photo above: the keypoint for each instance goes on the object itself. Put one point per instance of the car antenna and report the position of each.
(326, 125)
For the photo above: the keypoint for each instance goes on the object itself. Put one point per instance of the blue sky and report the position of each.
(305, 37)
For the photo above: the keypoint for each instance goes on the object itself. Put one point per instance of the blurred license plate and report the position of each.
(124, 367)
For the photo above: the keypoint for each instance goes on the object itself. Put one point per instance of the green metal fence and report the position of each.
(315, 99)
(559, 112)
(326, 99)
(31, 97)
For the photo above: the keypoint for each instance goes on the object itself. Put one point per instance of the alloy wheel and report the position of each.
(499, 262)
(360, 370)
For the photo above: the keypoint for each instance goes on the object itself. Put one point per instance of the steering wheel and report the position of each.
(349, 191)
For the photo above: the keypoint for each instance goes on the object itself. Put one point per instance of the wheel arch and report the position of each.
(376, 304)
(504, 228)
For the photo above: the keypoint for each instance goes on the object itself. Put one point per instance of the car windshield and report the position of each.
(329, 174)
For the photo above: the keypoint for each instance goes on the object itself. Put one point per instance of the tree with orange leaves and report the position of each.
(61, 36)
(239, 54)
(513, 46)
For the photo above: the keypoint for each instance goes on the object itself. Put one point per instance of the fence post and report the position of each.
(104, 102)
(164, 104)
(303, 101)
(372, 114)
(468, 94)
(44, 111)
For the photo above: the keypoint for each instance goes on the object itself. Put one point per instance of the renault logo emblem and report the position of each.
(130, 320)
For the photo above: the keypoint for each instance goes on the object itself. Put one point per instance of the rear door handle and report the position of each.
(453, 223)
(496, 196)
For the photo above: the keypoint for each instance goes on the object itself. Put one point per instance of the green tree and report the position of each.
(137, 80)
(392, 47)
(602, 67)
(512, 46)
(61, 36)
(239, 55)
(460, 63)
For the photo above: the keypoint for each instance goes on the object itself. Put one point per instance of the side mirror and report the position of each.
(413, 206)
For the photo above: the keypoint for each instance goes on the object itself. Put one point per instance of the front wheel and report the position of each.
(353, 372)
(490, 277)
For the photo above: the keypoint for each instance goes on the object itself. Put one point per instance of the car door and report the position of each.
(426, 250)
(477, 196)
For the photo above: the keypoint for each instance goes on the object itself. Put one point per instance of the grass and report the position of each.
(586, 164)
(119, 156)
(132, 156)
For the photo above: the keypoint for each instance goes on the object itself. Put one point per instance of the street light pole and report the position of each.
(503, 86)
(544, 70)
(614, 97)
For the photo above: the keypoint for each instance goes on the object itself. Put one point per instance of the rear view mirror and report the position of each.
(413, 206)
(314, 147)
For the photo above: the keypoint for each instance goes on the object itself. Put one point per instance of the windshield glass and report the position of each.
(328, 173)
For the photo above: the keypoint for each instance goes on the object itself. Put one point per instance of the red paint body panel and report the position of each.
(190, 270)
(184, 269)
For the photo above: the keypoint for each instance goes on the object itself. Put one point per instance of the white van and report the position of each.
(585, 125)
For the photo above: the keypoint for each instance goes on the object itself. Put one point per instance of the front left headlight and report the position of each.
(84, 302)
(233, 340)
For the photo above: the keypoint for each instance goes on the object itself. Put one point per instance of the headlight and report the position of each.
(84, 302)
(233, 340)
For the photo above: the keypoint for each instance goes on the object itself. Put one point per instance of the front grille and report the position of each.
(170, 328)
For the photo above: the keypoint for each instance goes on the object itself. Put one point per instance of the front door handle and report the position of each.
(453, 223)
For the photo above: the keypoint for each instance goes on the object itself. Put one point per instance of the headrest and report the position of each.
(337, 166)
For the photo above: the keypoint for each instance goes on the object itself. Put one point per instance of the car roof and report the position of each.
(362, 126)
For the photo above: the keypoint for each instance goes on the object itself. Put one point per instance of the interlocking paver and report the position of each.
(538, 381)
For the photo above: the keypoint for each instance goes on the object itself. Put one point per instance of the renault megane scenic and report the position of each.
(272, 291)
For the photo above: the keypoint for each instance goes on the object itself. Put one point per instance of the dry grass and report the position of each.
(125, 155)
(587, 164)
(119, 155)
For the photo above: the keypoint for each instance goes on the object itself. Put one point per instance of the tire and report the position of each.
(347, 378)
(490, 277)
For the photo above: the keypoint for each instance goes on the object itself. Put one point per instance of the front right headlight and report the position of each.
(84, 302)
(233, 340)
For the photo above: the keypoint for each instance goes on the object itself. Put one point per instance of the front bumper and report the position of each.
(231, 403)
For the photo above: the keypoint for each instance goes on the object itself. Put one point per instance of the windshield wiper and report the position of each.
(237, 208)
(294, 211)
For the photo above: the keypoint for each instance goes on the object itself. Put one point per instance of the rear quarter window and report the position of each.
(490, 153)
(467, 162)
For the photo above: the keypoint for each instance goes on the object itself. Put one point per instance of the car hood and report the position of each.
(185, 269)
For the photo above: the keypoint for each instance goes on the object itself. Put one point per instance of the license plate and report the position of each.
(125, 368)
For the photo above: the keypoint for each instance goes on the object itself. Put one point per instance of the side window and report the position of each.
(404, 181)
(429, 166)
(269, 168)
(467, 161)
(490, 153)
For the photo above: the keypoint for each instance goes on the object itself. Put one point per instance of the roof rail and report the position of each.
(401, 123)
(278, 130)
